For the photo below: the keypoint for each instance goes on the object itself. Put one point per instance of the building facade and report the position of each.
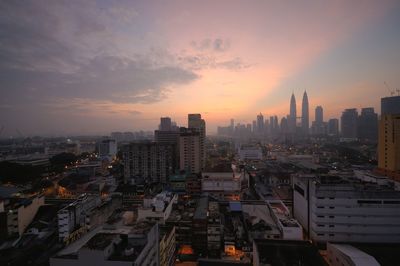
(349, 124)
(338, 209)
(153, 161)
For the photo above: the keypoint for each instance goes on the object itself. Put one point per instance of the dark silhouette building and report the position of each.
(349, 123)
(368, 125)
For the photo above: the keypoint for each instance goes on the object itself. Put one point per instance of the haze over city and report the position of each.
(101, 66)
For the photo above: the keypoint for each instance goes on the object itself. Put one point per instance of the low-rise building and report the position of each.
(75, 216)
(347, 255)
(286, 252)
(167, 245)
(158, 208)
(289, 227)
(249, 152)
(225, 184)
(344, 209)
(17, 214)
(139, 246)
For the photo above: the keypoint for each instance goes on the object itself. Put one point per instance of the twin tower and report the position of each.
(292, 119)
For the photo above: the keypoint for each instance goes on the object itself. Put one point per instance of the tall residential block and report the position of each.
(389, 137)
(190, 157)
(151, 161)
(195, 122)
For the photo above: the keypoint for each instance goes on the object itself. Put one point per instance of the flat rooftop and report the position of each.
(100, 241)
(201, 209)
(288, 252)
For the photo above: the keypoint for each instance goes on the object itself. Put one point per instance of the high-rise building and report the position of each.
(333, 127)
(107, 148)
(349, 123)
(390, 105)
(319, 115)
(318, 126)
(368, 125)
(305, 121)
(151, 161)
(190, 151)
(389, 137)
(254, 126)
(195, 122)
(292, 115)
(284, 126)
(389, 145)
(260, 123)
(166, 124)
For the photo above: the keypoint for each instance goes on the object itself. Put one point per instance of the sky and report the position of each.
(93, 67)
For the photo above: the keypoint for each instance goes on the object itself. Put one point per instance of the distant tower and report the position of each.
(305, 124)
(165, 124)
(319, 115)
(260, 123)
(292, 115)
(349, 123)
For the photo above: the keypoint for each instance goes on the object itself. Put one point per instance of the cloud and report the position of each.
(58, 49)
(204, 61)
(90, 107)
(213, 45)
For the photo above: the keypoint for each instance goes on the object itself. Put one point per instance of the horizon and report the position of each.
(99, 67)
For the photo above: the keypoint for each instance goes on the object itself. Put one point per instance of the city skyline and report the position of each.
(120, 66)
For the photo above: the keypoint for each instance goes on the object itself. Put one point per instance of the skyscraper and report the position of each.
(319, 115)
(260, 123)
(368, 125)
(292, 114)
(348, 123)
(389, 137)
(165, 124)
(390, 105)
(195, 122)
(333, 127)
(318, 126)
(305, 123)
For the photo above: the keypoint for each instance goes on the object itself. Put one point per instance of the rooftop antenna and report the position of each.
(391, 91)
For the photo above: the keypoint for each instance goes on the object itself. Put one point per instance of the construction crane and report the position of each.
(391, 91)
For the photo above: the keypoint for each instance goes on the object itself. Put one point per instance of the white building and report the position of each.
(338, 209)
(347, 255)
(225, 184)
(158, 208)
(139, 246)
(75, 215)
(290, 229)
(20, 213)
(247, 152)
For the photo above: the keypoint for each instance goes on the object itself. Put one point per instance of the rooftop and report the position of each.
(288, 252)
(201, 209)
(356, 255)
(101, 241)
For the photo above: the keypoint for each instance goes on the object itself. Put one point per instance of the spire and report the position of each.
(292, 114)
(305, 124)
